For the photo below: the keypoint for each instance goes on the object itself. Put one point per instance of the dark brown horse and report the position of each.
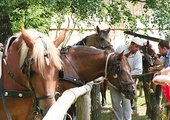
(29, 79)
(149, 56)
(100, 40)
(150, 60)
(83, 64)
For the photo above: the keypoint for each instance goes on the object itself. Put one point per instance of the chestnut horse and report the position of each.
(30, 65)
(84, 64)
(100, 40)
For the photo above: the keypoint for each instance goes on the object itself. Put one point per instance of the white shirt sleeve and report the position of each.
(120, 49)
(136, 64)
(135, 60)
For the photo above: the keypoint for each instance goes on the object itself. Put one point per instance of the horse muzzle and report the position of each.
(130, 93)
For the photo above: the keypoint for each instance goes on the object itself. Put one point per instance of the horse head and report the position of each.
(120, 76)
(100, 40)
(30, 68)
(149, 56)
(41, 66)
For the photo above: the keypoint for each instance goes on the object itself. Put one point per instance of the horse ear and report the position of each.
(127, 55)
(119, 56)
(147, 43)
(108, 30)
(60, 38)
(98, 30)
(28, 40)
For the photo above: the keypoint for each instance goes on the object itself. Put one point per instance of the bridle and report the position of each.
(102, 46)
(116, 68)
(26, 69)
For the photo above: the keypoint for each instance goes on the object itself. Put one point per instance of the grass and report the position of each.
(141, 109)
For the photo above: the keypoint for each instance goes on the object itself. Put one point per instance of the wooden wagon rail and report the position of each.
(144, 75)
(143, 36)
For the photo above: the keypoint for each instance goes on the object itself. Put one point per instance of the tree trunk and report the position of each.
(5, 28)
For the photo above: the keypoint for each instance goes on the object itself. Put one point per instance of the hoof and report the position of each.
(104, 104)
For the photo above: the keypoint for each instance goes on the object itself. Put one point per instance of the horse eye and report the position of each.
(102, 39)
(32, 73)
(118, 70)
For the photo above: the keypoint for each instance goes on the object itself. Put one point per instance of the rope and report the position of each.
(68, 116)
(105, 77)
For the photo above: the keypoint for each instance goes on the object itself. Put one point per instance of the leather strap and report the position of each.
(17, 94)
(73, 80)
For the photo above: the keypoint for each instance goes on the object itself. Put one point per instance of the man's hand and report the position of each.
(151, 69)
(167, 105)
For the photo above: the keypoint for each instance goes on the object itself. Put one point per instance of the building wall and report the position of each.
(116, 34)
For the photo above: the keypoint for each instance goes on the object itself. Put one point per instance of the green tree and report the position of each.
(38, 13)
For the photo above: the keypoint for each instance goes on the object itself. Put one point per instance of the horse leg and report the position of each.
(140, 85)
(103, 93)
(105, 84)
(134, 101)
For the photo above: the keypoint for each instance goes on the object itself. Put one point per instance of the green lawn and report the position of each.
(141, 109)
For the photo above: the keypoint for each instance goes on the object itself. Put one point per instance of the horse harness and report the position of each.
(64, 77)
(26, 69)
(116, 70)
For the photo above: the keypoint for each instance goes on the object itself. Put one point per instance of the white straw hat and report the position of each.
(137, 41)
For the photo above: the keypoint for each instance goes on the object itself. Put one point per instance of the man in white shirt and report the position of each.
(122, 106)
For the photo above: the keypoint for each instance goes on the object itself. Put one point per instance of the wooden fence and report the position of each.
(80, 94)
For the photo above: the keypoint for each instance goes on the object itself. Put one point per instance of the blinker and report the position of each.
(118, 69)
(115, 76)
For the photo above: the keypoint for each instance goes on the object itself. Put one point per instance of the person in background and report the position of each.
(163, 79)
(122, 106)
(164, 50)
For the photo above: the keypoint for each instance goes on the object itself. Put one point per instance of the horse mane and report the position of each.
(39, 52)
(82, 42)
(88, 49)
